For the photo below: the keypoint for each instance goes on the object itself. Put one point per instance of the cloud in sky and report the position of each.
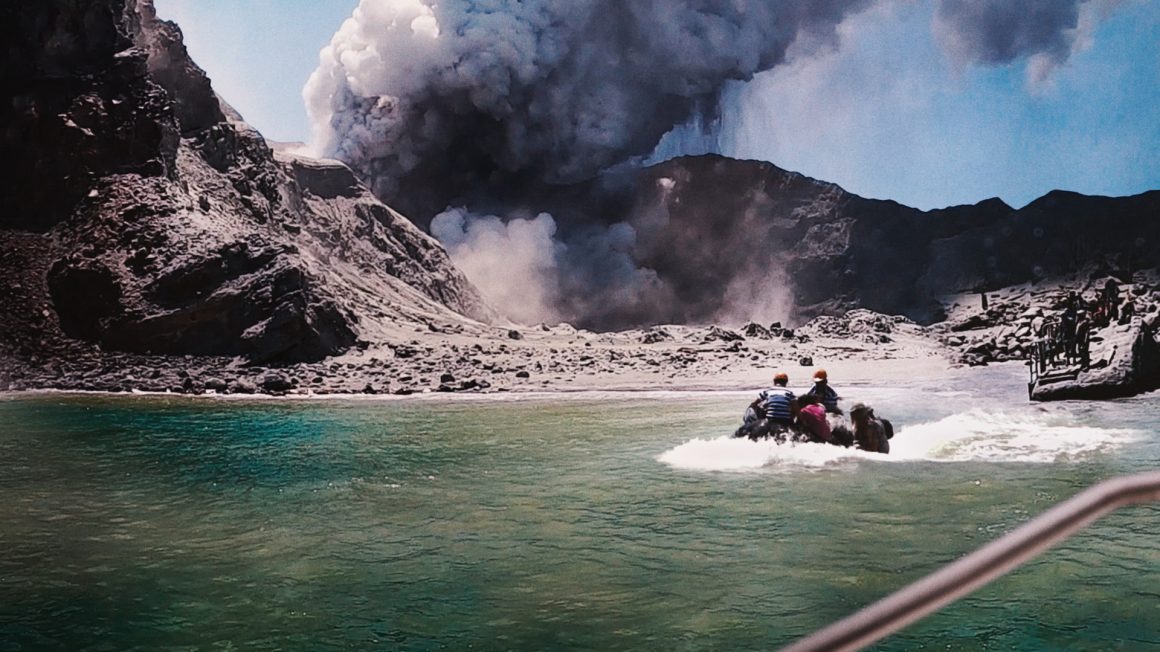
(998, 32)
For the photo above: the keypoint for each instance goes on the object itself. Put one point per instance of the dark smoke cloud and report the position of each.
(646, 270)
(430, 100)
(997, 32)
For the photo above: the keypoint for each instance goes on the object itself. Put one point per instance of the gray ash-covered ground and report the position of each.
(453, 358)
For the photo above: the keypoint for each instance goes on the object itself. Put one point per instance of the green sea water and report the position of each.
(586, 521)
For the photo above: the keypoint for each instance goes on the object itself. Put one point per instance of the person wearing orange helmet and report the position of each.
(826, 394)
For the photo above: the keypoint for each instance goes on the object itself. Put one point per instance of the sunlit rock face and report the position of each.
(143, 215)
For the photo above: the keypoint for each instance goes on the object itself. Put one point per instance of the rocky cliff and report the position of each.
(141, 214)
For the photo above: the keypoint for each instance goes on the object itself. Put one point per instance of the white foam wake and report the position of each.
(729, 454)
(979, 435)
(976, 435)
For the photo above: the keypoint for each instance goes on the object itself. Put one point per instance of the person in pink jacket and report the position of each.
(811, 418)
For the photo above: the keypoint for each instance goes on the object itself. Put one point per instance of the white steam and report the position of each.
(513, 264)
(530, 275)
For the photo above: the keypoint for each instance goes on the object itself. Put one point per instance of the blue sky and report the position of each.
(885, 115)
(259, 53)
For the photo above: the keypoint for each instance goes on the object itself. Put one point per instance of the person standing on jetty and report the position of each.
(825, 394)
(1111, 299)
(1067, 325)
(1083, 334)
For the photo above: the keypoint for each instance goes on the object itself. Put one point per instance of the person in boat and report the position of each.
(811, 420)
(780, 403)
(869, 432)
(771, 414)
(825, 394)
(754, 413)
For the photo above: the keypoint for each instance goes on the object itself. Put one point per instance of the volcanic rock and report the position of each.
(756, 330)
(716, 333)
(654, 335)
(275, 382)
(157, 222)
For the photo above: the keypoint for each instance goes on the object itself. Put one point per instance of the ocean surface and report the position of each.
(543, 522)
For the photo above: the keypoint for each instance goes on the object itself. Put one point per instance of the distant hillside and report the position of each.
(840, 250)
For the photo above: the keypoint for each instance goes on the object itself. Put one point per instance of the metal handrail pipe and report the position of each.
(993, 560)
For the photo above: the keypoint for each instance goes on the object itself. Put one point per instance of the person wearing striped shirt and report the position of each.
(779, 402)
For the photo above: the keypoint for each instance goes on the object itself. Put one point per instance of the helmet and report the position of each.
(820, 376)
(781, 378)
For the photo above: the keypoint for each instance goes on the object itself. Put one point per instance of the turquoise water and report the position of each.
(609, 522)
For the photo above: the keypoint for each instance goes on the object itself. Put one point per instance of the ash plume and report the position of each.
(428, 101)
(650, 269)
(522, 113)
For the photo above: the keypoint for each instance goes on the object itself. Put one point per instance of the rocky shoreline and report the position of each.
(488, 359)
(471, 357)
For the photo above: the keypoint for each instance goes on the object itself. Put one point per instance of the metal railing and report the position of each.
(993, 560)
